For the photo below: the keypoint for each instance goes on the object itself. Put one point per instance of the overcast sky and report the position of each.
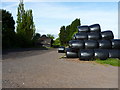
(50, 16)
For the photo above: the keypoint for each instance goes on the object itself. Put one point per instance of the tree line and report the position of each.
(67, 32)
(25, 26)
(25, 35)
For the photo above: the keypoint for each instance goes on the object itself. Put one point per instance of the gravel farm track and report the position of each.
(36, 68)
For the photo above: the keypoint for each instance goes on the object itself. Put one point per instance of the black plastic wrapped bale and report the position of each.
(114, 53)
(71, 54)
(61, 49)
(66, 49)
(107, 34)
(102, 54)
(73, 50)
(84, 28)
(115, 43)
(95, 28)
(86, 54)
(94, 36)
(91, 44)
(81, 36)
(77, 44)
(105, 44)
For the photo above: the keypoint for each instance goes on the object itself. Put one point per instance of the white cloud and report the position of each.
(107, 19)
(49, 17)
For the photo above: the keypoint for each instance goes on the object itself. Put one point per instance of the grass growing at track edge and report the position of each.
(110, 61)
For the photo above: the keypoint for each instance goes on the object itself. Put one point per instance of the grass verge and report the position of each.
(110, 61)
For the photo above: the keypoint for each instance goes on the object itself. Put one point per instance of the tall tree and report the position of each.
(29, 25)
(37, 36)
(66, 33)
(73, 27)
(8, 33)
(56, 42)
(50, 36)
(25, 25)
(62, 35)
(20, 17)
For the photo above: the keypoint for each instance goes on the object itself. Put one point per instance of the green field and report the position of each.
(110, 61)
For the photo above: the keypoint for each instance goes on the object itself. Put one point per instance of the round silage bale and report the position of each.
(76, 44)
(102, 54)
(105, 44)
(81, 36)
(114, 53)
(115, 43)
(83, 28)
(71, 54)
(107, 34)
(86, 54)
(91, 44)
(95, 28)
(94, 36)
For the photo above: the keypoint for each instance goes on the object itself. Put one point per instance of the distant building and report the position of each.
(44, 41)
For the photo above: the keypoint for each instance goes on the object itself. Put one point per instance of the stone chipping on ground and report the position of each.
(49, 70)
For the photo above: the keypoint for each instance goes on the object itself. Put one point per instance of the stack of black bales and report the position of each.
(90, 43)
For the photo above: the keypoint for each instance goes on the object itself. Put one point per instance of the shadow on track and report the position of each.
(23, 52)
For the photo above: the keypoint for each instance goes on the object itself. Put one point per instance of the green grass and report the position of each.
(110, 61)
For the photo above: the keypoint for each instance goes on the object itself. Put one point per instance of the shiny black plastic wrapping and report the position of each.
(81, 36)
(76, 44)
(91, 44)
(114, 53)
(102, 54)
(94, 36)
(71, 53)
(95, 28)
(105, 44)
(84, 28)
(115, 43)
(107, 34)
(86, 54)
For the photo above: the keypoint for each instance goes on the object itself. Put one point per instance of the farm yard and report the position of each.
(60, 45)
(49, 69)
